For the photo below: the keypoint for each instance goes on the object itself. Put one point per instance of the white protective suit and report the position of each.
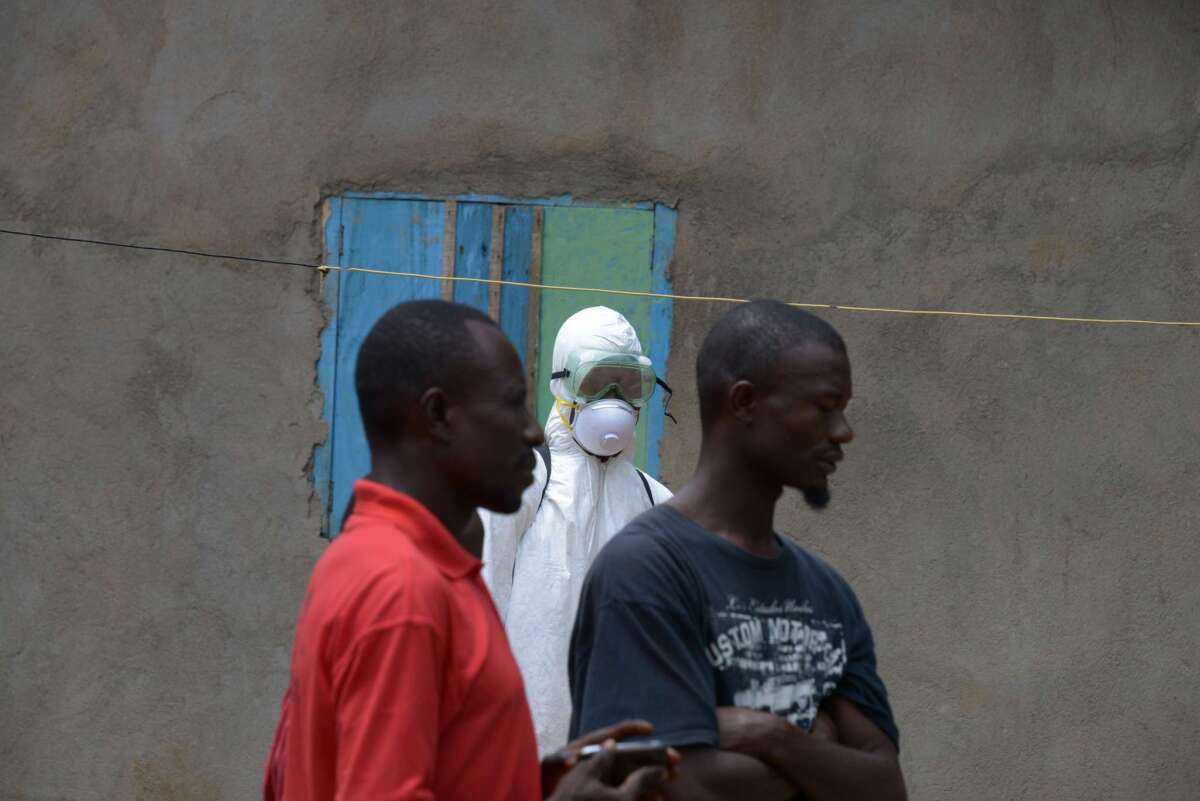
(535, 560)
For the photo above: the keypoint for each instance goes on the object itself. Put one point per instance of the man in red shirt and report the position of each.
(402, 683)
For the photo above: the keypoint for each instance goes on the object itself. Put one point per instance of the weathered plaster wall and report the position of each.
(1019, 512)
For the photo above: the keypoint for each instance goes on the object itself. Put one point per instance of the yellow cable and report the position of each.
(325, 268)
(828, 306)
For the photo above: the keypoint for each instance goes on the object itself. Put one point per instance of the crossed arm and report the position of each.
(764, 757)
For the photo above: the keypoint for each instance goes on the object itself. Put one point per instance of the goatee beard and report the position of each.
(817, 498)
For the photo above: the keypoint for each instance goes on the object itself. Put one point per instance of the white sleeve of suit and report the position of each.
(502, 537)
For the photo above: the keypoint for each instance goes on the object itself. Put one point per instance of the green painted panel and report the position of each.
(607, 248)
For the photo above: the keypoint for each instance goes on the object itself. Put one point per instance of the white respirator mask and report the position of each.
(605, 427)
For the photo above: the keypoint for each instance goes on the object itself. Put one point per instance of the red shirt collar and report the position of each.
(418, 524)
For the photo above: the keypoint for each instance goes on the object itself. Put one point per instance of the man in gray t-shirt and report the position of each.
(777, 634)
(745, 651)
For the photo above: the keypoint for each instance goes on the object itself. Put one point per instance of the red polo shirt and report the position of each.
(403, 685)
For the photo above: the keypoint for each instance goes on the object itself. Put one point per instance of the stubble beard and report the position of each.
(817, 498)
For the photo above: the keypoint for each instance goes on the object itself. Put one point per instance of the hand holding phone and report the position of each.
(630, 756)
(631, 773)
(586, 769)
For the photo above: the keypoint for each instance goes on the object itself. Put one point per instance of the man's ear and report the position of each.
(741, 400)
(435, 411)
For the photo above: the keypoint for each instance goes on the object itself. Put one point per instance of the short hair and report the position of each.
(414, 346)
(745, 345)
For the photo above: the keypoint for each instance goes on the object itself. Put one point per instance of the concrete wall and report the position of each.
(1019, 512)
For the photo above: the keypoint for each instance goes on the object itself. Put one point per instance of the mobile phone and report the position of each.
(631, 755)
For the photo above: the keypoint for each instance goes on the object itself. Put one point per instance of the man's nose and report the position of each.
(841, 432)
(534, 434)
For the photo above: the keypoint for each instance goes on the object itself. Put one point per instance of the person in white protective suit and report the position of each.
(535, 560)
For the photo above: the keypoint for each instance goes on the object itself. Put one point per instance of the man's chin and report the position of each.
(817, 498)
(506, 505)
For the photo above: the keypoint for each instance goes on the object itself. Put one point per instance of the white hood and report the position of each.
(595, 328)
(535, 560)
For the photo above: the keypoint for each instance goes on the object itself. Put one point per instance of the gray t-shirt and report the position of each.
(674, 621)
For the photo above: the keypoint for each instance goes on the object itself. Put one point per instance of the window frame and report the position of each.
(334, 247)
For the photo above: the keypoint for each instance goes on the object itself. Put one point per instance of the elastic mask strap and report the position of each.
(563, 373)
(559, 403)
(666, 400)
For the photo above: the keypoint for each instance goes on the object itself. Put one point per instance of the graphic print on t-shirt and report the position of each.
(776, 656)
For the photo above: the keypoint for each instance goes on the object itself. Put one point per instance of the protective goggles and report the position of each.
(591, 375)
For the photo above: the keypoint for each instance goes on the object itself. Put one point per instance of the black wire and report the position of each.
(158, 249)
